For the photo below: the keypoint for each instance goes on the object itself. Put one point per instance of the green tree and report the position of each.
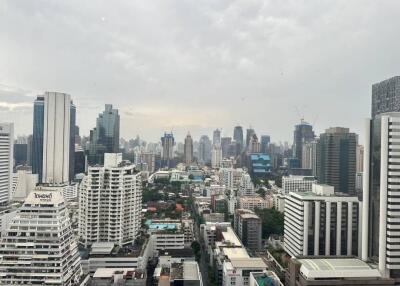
(197, 250)
(272, 221)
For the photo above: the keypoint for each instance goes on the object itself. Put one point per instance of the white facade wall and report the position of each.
(110, 204)
(31, 256)
(6, 160)
(297, 184)
(23, 183)
(56, 137)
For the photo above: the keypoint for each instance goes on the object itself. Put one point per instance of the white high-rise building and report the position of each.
(359, 158)
(381, 193)
(309, 156)
(39, 248)
(110, 202)
(297, 183)
(246, 187)
(322, 223)
(6, 160)
(23, 183)
(216, 156)
(56, 137)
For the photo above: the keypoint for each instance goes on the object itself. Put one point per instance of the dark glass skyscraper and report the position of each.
(238, 135)
(72, 142)
(37, 137)
(264, 141)
(104, 138)
(336, 163)
(303, 133)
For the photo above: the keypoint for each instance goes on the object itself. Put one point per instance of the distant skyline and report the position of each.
(199, 65)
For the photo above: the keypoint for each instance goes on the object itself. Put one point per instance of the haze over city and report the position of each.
(199, 65)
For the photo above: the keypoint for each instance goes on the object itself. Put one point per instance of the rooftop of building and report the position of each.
(329, 268)
(266, 278)
(230, 237)
(128, 273)
(235, 252)
(177, 253)
(247, 262)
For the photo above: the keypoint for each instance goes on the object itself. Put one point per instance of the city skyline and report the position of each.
(267, 56)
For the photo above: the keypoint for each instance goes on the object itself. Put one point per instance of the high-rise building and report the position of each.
(216, 137)
(188, 150)
(29, 150)
(20, 154)
(359, 158)
(297, 184)
(225, 142)
(321, 223)
(23, 183)
(167, 155)
(110, 202)
(238, 136)
(58, 136)
(248, 228)
(254, 145)
(386, 96)
(37, 136)
(264, 141)
(249, 134)
(303, 133)
(381, 193)
(336, 161)
(246, 187)
(204, 150)
(149, 158)
(45, 253)
(104, 138)
(216, 156)
(6, 161)
(309, 157)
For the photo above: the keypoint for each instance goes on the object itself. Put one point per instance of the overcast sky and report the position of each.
(195, 65)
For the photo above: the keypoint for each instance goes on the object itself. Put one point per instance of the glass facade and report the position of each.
(37, 137)
(104, 138)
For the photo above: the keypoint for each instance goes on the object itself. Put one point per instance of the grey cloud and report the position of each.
(255, 60)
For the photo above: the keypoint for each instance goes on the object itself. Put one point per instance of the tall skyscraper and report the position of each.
(309, 157)
(37, 136)
(20, 154)
(188, 150)
(264, 141)
(249, 134)
(45, 253)
(254, 145)
(204, 150)
(238, 135)
(216, 156)
(225, 142)
(336, 161)
(303, 133)
(381, 177)
(104, 138)
(359, 158)
(58, 136)
(386, 96)
(6, 161)
(100, 217)
(167, 142)
(216, 137)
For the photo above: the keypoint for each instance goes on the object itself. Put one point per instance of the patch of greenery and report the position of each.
(272, 221)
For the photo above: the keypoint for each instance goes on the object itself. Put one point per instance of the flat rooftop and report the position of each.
(99, 248)
(236, 252)
(337, 268)
(250, 262)
(230, 236)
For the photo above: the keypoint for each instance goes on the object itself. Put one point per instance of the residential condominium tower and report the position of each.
(6, 161)
(45, 253)
(110, 202)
